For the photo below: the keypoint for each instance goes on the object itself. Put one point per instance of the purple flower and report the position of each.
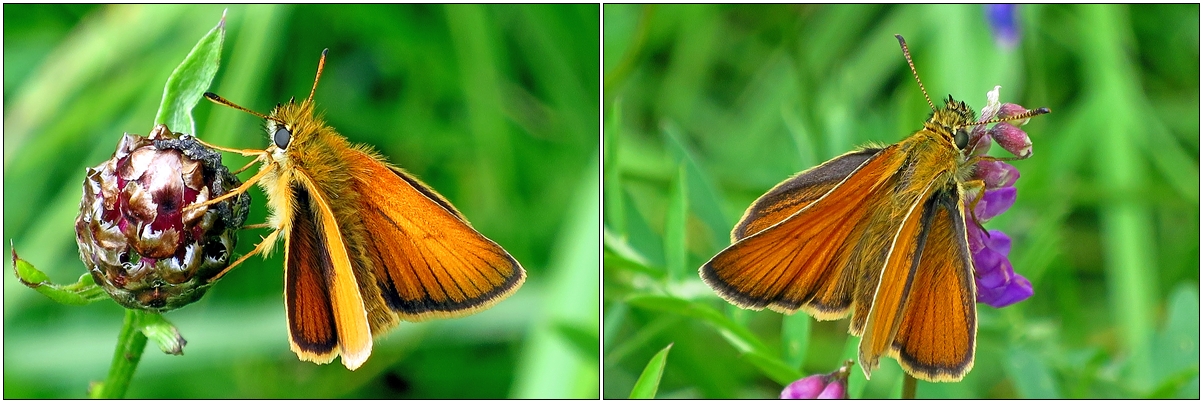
(997, 283)
(820, 386)
(1002, 24)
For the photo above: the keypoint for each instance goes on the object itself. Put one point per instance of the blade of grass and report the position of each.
(704, 198)
(649, 380)
(753, 349)
(675, 227)
(547, 367)
(615, 214)
(1126, 221)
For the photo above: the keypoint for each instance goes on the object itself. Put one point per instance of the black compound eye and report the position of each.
(961, 139)
(282, 137)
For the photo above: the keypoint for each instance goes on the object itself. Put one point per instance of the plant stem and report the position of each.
(909, 383)
(130, 344)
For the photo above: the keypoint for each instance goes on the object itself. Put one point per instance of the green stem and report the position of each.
(130, 345)
(909, 384)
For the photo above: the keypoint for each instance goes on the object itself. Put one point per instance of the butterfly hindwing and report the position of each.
(322, 294)
(935, 340)
(311, 325)
(894, 281)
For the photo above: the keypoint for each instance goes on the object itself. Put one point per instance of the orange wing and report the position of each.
(799, 191)
(894, 281)
(326, 314)
(804, 261)
(936, 335)
(427, 260)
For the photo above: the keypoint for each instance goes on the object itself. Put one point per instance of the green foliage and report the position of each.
(84, 291)
(494, 106)
(649, 380)
(742, 97)
(190, 80)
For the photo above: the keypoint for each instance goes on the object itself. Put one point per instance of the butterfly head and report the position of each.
(952, 122)
(294, 122)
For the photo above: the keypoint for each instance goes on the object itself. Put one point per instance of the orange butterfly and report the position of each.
(366, 244)
(878, 233)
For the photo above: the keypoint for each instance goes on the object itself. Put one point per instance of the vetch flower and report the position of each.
(820, 386)
(1012, 139)
(134, 233)
(1001, 18)
(997, 283)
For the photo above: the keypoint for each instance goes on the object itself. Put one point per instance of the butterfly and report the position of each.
(878, 234)
(366, 244)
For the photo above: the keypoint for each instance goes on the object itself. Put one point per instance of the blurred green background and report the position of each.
(494, 106)
(708, 106)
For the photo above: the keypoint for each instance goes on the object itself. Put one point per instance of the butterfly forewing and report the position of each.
(799, 191)
(785, 266)
(427, 260)
(935, 340)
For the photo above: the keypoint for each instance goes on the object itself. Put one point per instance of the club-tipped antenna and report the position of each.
(1022, 116)
(907, 52)
(218, 99)
(320, 65)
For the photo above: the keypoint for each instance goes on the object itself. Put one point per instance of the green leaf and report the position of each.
(84, 291)
(190, 80)
(649, 381)
(28, 274)
(162, 332)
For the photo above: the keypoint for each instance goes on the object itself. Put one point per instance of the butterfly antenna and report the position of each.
(1022, 116)
(218, 99)
(907, 52)
(320, 64)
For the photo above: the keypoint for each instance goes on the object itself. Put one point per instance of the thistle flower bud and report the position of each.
(136, 235)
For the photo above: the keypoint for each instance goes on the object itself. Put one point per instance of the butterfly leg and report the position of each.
(267, 241)
(245, 186)
(244, 152)
(980, 185)
(257, 226)
(261, 157)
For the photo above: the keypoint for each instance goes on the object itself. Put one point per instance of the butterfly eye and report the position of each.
(961, 139)
(282, 137)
